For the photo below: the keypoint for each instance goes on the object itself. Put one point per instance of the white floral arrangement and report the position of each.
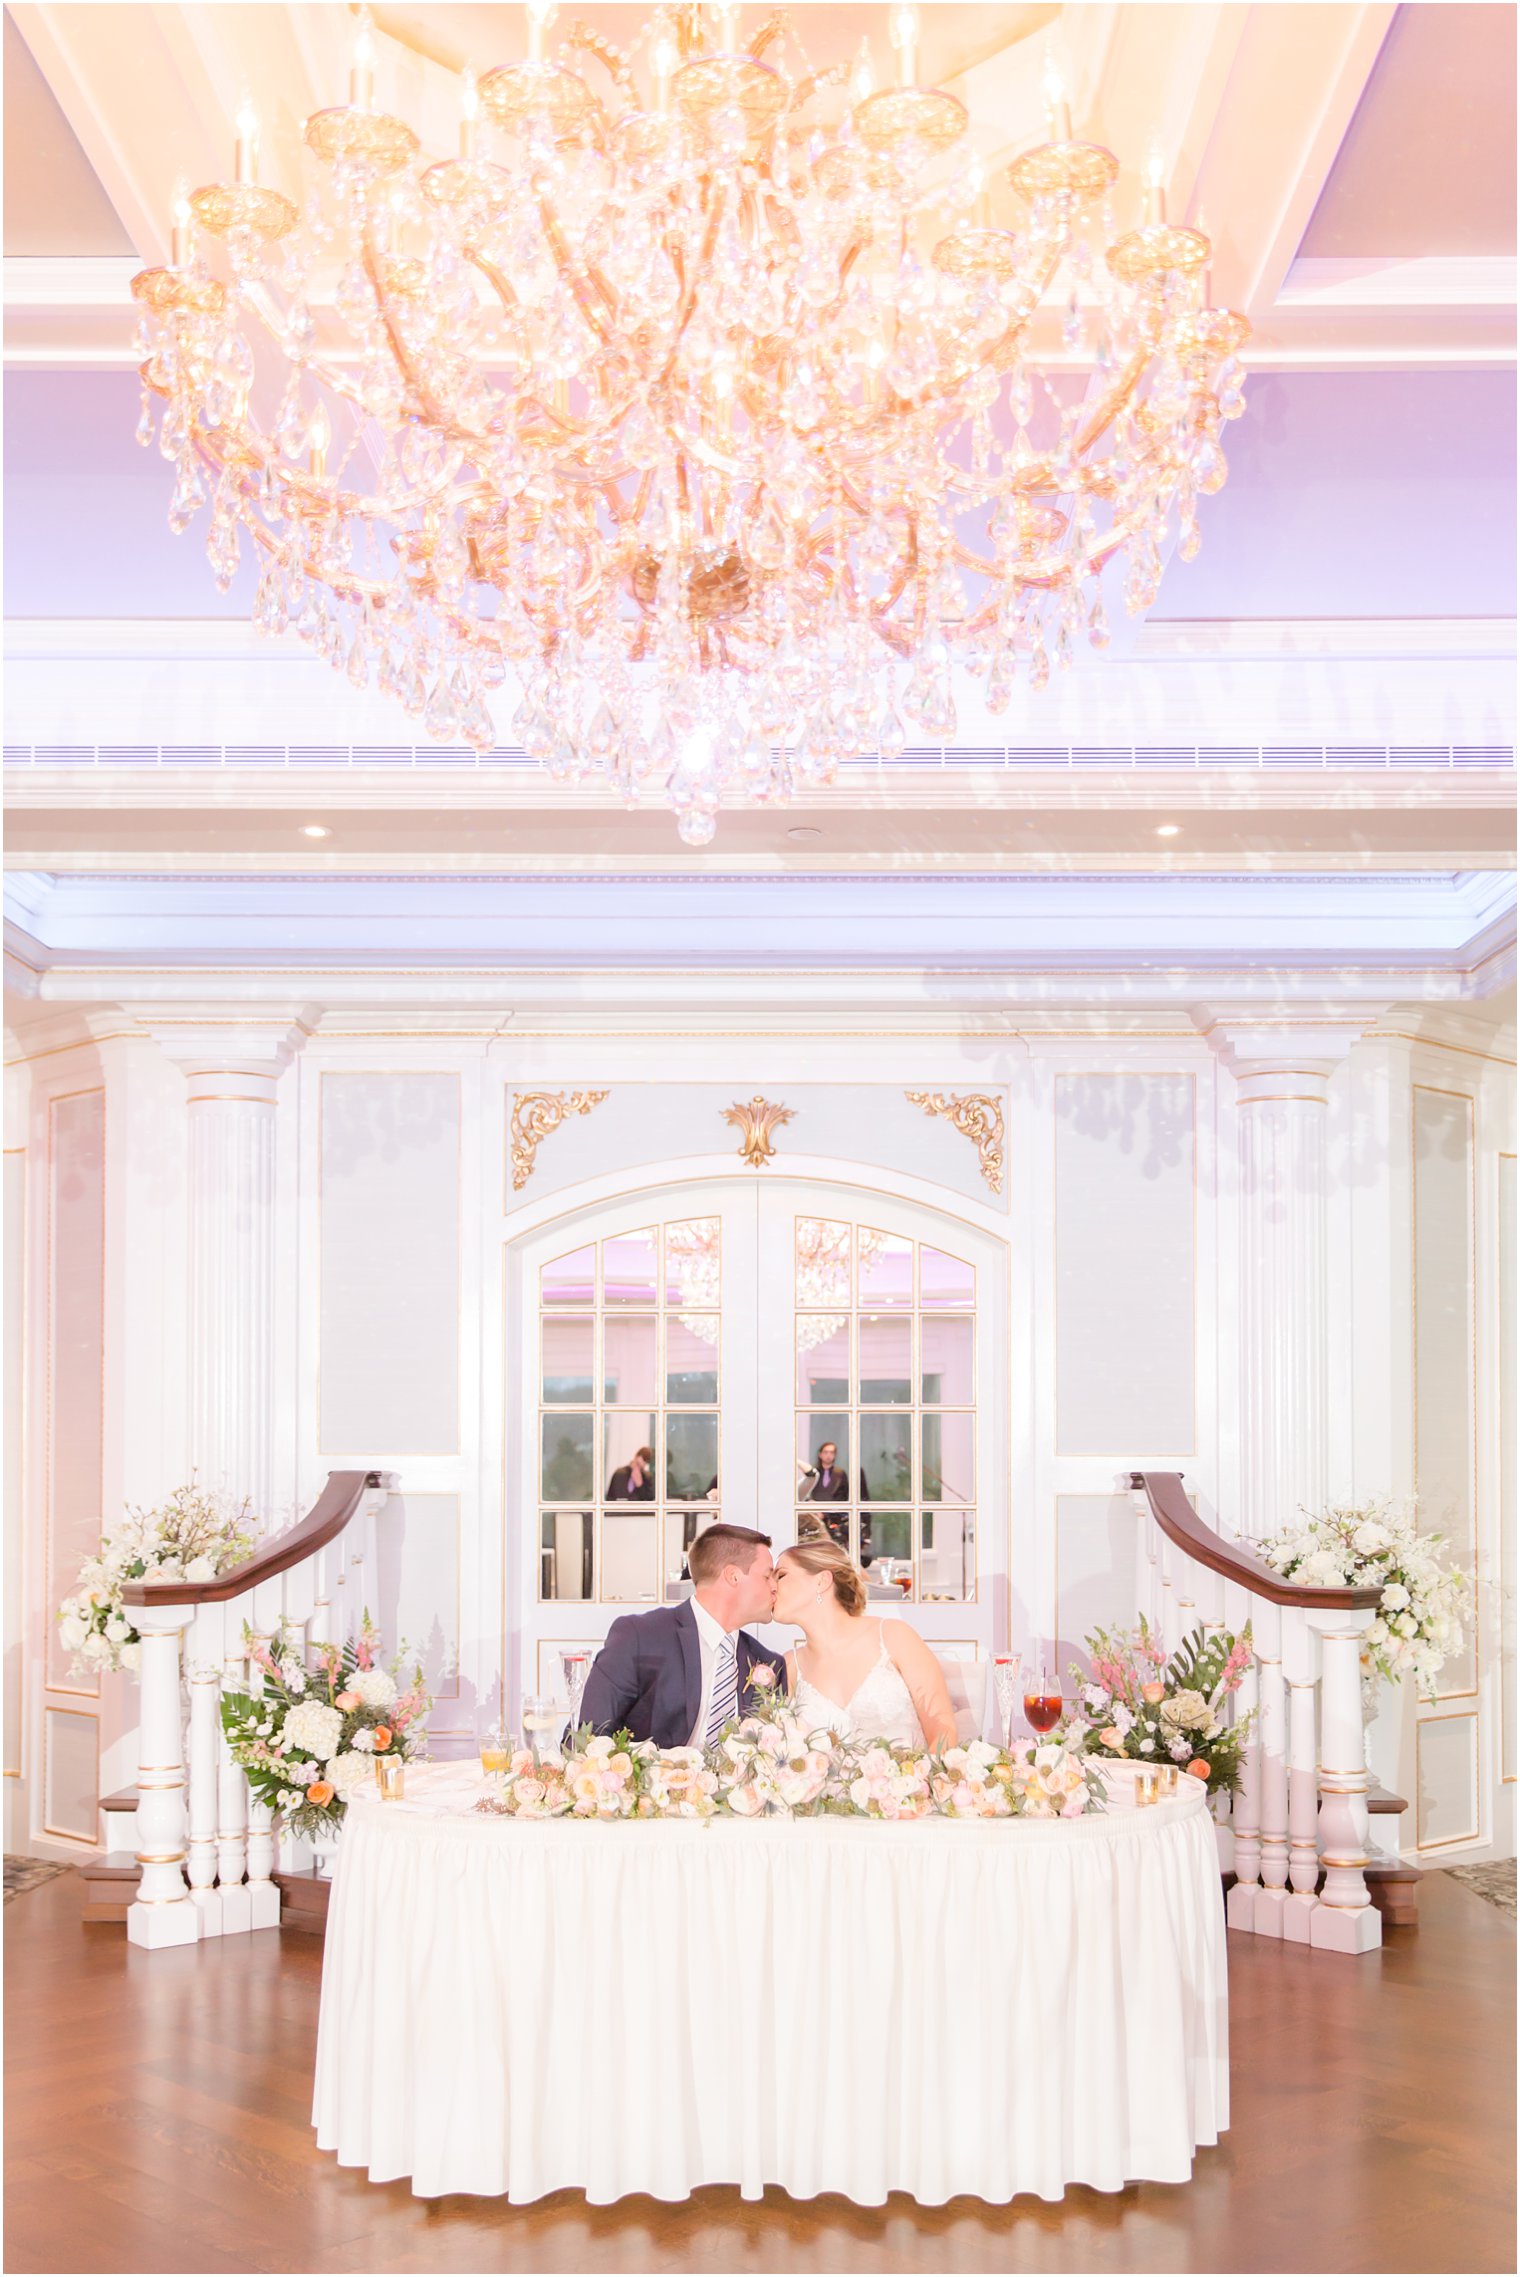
(606, 1778)
(1378, 1544)
(194, 1536)
(309, 1739)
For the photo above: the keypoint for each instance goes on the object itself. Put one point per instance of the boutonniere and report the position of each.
(762, 1677)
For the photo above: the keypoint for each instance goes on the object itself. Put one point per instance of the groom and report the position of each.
(679, 1674)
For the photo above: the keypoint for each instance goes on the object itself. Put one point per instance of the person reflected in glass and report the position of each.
(633, 1481)
(857, 1677)
(823, 1480)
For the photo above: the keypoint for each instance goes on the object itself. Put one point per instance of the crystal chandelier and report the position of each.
(696, 394)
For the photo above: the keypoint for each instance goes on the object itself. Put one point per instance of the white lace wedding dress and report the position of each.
(880, 1707)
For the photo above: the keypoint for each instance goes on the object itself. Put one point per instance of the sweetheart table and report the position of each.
(512, 2007)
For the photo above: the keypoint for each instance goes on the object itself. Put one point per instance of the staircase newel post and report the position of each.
(1303, 1780)
(1345, 1920)
(203, 1675)
(162, 1913)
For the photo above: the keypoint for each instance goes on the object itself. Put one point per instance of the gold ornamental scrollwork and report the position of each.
(755, 1123)
(535, 1116)
(977, 1116)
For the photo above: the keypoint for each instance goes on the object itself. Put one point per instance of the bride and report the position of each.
(861, 1679)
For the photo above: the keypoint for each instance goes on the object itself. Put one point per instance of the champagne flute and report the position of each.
(1042, 1706)
(577, 1667)
(1005, 1679)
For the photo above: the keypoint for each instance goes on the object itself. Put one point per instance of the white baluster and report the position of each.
(1273, 1775)
(1345, 1920)
(1167, 1622)
(1240, 1906)
(263, 1892)
(232, 1794)
(161, 1913)
(203, 1654)
(1303, 1779)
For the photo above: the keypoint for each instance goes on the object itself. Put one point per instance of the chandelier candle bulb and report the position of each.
(1057, 108)
(179, 235)
(469, 111)
(905, 41)
(319, 435)
(246, 161)
(539, 12)
(361, 71)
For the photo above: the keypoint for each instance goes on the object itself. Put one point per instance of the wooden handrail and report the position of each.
(1181, 1524)
(323, 1523)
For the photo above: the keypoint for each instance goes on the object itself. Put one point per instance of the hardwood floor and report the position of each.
(157, 2115)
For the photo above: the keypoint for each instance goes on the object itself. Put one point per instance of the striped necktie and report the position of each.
(725, 1692)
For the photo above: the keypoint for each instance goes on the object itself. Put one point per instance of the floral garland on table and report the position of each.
(194, 1536)
(769, 1764)
(308, 1741)
(1378, 1544)
(1142, 1705)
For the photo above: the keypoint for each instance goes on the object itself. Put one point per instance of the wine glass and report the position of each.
(1042, 1705)
(539, 1716)
(1005, 1680)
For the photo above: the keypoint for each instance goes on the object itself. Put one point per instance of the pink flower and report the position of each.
(347, 1701)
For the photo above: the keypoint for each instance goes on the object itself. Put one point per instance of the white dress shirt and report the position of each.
(711, 1636)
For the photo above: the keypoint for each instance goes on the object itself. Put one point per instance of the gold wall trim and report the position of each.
(978, 1116)
(756, 1121)
(536, 1115)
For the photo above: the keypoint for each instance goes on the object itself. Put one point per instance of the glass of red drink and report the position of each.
(1042, 1705)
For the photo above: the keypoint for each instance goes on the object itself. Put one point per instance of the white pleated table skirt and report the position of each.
(510, 2008)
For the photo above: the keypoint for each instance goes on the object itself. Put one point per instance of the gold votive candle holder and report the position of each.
(1146, 1785)
(1166, 1775)
(390, 1777)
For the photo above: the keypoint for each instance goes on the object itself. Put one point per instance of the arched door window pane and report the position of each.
(885, 1423)
(629, 1414)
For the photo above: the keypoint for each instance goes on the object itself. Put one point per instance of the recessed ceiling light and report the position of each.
(315, 830)
(1168, 829)
(803, 832)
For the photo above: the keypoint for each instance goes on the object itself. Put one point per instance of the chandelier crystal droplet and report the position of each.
(697, 400)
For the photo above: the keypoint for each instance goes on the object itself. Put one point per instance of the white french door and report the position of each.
(787, 1354)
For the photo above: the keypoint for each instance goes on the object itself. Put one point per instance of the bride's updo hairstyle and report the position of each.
(820, 1554)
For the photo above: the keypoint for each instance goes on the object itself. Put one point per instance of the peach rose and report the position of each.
(346, 1701)
(382, 1738)
(1113, 1739)
(319, 1792)
(1149, 1693)
(1198, 1769)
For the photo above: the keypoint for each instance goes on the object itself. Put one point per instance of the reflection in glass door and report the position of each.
(792, 1355)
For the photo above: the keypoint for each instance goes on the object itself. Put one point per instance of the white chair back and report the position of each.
(966, 1682)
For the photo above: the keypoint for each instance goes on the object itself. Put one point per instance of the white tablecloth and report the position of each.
(828, 2004)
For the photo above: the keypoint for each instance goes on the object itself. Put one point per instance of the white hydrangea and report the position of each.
(373, 1686)
(350, 1772)
(315, 1727)
(364, 1741)
(201, 1569)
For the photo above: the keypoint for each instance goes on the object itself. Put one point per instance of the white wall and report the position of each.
(1117, 1345)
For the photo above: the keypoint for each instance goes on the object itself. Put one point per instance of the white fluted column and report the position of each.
(231, 1071)
(1282, 1071)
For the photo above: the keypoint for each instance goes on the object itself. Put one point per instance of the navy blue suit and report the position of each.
(647, 1678)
